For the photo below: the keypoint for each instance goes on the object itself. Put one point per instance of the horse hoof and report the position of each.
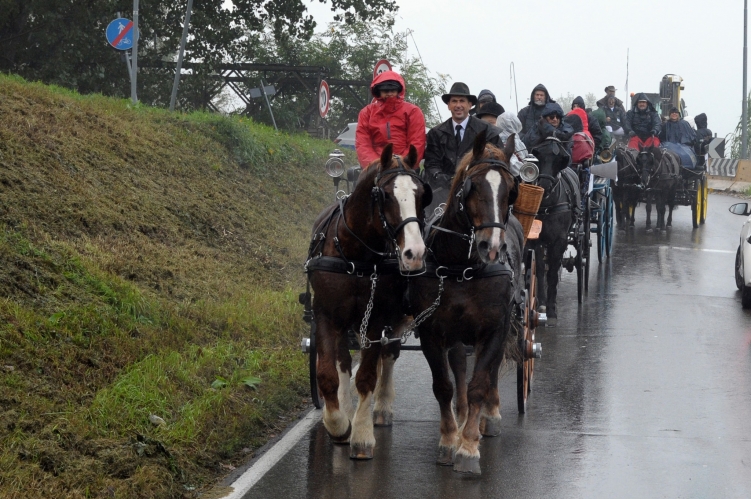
(361, 452)
(622, 227)
(668, 226)
(445, 456)
(552, 322)
(492, 427)
(467, 464)
(383, 418)
(541, 309)
(649, 230)
(343, 439)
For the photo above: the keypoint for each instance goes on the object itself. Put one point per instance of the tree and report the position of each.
(62, 41)
(349, 51)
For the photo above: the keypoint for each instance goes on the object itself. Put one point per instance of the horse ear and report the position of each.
(386, 156)
(479, 147)
(510, 147)
(412, 157)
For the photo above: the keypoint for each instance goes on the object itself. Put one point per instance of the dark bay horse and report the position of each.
(359, 248)
(660, 171)
(474, 269)
(557, 213)
(627, 190)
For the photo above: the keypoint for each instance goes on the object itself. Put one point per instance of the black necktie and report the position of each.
(458, 136)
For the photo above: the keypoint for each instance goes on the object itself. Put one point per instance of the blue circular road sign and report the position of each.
(120, 33)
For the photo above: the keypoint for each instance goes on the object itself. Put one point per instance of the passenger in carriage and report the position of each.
(643, 124)
(509, 123)
(593, 126)
(677, 130)
(703, 138)
(615, 116)
(490, 112)
(483, 98)
(389, 119)
(550, 124)
(610, 94)
(531, 114)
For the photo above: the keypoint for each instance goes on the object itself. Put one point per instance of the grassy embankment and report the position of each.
(149, 265)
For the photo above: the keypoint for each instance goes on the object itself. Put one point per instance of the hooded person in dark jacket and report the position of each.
(643, 124)
(677, 130)
(593, 125)
(703, 138)
(484, 97)
(530, 115)
(550, 124)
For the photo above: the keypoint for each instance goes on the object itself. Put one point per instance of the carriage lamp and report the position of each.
(335, 164)
(529, 172)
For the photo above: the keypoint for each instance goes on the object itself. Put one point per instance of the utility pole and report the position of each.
(744, 115)
(134, 57)
(180, 57)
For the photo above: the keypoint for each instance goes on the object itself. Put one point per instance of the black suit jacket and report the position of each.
(441, 153)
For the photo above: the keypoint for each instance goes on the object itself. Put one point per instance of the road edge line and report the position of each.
(276, 452)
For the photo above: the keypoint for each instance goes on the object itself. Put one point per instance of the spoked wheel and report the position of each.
(315, 395)
(526, 368)
(582, 254)
(609, 205)
(696, 205)
(704, 199)
(602, 238)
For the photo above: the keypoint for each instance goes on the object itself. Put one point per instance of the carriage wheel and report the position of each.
(609, 219)
(315, 394)
(582, 252)
(696, 205)
(602, 238)
(704, 199)
(526, 368)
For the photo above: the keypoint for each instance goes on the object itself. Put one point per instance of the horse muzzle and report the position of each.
(491, 248)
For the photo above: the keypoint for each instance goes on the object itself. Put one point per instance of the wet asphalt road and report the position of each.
(642, 391)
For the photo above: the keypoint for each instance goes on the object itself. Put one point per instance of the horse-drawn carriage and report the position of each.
(665, 176)
(375, 284)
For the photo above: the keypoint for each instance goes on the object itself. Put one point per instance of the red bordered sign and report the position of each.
(380, 67)
(324, 99)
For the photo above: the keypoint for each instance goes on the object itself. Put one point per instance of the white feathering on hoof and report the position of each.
(344, 393)
(362, 424)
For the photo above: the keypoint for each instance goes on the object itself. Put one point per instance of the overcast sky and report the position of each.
(580, 46)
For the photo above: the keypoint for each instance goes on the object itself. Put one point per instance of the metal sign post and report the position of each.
(266, 91)
(134, 55)
(180, 56)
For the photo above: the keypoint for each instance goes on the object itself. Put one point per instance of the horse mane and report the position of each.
(463, 170)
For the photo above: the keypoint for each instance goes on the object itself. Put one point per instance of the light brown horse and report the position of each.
(475, 268)
(360, 248)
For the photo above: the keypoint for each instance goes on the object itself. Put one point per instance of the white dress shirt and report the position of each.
(463, 125)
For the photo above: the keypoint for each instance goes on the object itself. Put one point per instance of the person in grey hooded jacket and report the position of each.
(509, 123)
(530, 115)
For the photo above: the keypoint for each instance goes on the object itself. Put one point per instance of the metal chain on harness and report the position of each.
(425, 314)
(364, 342)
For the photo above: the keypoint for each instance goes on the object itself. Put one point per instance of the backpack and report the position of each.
(583, 147)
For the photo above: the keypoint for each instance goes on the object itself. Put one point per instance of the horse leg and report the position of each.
(489, 355)
(542, 292)
(555, 257)
(490, 424)
(444, 392)
(362, 440)
(330, 374)
(649, 213)
(457, 359)
(660, 200)
(383, 411)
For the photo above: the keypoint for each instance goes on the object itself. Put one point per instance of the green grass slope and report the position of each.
(149, 265)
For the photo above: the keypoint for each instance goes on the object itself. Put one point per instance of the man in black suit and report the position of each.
(448, 142)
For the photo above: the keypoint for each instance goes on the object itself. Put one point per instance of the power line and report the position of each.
(411, 33)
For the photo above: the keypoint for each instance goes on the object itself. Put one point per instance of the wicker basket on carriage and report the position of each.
(526, 206)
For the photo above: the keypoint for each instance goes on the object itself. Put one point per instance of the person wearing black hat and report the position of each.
(490, 112)
(610, 92)
(484, 97)
(677, 130)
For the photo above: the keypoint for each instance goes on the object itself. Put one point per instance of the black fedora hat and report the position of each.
(491, 108)
(459, 89)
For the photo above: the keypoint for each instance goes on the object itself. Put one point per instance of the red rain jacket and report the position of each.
(385, 121)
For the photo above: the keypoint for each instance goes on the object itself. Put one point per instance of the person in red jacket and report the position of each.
(389, 119)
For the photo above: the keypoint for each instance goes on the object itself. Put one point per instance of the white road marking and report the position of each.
(265, 463)
(707, 250)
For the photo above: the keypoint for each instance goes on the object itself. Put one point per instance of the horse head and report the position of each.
(482, 192)
(553, 158)
(399, 198)
(628, 168)
(646, 162)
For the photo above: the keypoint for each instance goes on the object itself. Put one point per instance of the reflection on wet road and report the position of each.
(642, 391)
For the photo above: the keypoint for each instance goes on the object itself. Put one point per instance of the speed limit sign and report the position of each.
(380, 67)
(324, 99)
